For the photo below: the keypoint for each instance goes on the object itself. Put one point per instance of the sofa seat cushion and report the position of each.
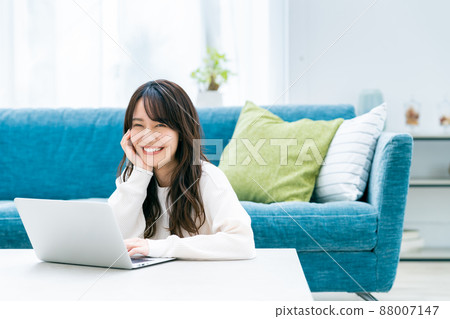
(8, 211)
(336, 226)
(12, 232)
(333, 226)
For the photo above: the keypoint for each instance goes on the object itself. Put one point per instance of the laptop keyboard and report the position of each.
(136, 260)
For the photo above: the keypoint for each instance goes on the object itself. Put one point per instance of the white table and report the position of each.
(275, 274)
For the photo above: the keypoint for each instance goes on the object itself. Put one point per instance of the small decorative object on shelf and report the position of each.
(412, 114)
(368, 99)
(444, 114)
(411, 241)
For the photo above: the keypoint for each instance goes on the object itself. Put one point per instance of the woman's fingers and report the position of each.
(136, 246)
(136, 137)
(137, 250)
(129, 149)
(130, 152)
(125, 140)
(149, 138)
(131, 242)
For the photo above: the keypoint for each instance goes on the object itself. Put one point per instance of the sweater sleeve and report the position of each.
(126, 203)
(232, 236)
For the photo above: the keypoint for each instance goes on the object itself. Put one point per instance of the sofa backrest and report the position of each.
(69, 153)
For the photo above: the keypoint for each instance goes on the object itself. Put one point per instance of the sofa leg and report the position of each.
(366, 296)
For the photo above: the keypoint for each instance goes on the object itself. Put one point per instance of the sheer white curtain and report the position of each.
(95, 53)
(253, 33)
(86, 53)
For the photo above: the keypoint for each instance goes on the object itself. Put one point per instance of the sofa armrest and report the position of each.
(387, 191)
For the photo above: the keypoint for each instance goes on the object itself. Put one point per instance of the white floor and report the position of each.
(414, 281)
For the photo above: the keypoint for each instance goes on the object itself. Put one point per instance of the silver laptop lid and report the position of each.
(75, 232)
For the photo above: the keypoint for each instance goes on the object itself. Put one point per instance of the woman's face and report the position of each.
(167, 139)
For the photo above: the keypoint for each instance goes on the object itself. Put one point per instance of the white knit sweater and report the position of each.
(226, 233)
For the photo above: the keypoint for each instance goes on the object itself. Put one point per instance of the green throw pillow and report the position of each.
(270, 160)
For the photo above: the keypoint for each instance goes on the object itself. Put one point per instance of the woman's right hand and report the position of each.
(130, 150)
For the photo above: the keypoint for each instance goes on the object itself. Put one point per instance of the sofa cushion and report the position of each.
(218, 123)
(270, 160)
(334, 226)
(12, 232)
(349, 158)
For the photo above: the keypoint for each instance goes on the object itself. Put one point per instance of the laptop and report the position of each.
(80, 232)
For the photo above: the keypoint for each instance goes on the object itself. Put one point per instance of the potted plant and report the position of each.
(210, 77)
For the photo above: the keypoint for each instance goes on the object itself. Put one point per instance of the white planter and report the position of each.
(209, 98)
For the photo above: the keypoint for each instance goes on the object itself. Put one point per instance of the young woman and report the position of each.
(170, 201)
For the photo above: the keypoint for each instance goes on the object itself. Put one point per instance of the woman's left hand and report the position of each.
(136, 246)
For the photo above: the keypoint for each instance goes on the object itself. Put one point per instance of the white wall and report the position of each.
(401, 47)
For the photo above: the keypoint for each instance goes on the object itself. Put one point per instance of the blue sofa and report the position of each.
(350, 246)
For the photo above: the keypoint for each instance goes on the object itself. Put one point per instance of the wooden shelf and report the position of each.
(431, 137)
(429, 182)
(429, 187)
(427, 254)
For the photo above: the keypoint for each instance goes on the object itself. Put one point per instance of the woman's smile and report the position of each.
(152, 150)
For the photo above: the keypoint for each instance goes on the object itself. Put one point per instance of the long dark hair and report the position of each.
(168, 103)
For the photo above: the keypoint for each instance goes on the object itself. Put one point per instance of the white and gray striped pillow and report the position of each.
(345, 171)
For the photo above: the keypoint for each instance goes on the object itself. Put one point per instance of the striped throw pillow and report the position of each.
(345, 171)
